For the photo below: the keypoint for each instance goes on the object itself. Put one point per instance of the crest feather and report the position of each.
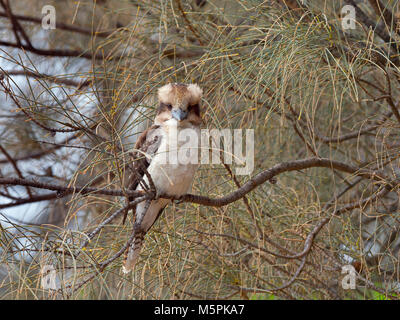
(164, 92)
(171, 91)
(196, 92)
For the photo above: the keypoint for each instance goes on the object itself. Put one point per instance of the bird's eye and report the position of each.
(194, 108)
(169, 106)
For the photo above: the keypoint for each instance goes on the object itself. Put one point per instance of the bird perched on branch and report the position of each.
(158, 164)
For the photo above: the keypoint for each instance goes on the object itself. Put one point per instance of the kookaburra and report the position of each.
(179, 109)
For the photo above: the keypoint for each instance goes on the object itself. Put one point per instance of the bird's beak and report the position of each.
(179, 114)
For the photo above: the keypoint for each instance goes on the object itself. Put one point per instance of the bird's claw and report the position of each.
(178, 201)
(157, 195)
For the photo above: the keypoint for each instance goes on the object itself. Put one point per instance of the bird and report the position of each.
(178, 110)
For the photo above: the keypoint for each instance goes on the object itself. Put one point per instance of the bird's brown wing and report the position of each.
(145, 148)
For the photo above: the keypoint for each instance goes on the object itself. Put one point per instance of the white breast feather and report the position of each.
(171, 179)
(168, 178)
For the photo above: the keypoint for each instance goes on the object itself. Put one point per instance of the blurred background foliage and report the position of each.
(286, 69)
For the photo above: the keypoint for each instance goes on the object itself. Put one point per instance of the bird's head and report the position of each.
(180, 103)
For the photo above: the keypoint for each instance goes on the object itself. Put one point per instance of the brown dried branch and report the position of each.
(11, 94)
(378, 29)
(239, 193)
(17, 28)
(189, 24)
(274, 289)
(15, 166)
(278, 169)
(54, 79)
(58, 52)
(381, 11)
(63, 191)
(39, 154)
(61, 26)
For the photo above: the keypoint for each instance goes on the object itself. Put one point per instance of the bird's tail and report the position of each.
(133, 254)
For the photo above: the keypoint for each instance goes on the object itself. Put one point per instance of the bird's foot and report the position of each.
(178, 200)
(157, 195)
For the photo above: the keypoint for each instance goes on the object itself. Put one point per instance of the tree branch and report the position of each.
(60, 25)
(278, 169)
